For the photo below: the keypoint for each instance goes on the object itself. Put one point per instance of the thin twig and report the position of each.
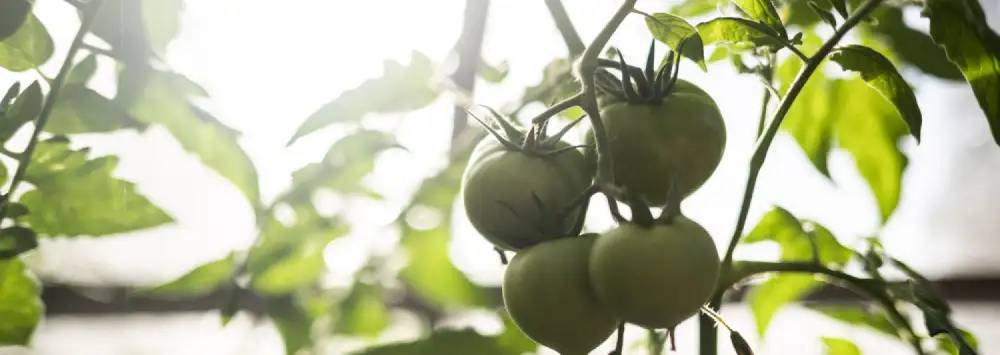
(565, 26)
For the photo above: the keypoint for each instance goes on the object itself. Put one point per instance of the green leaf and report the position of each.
(858, 315)
(961, 28)
(674, 31)
(823, 13)
(741, 33)
(294, 323)
(287, 258)
(837, 346)
(25, 108)
(763, 11)
(841, 6)
(363, 312)
(430, 272)
(82, 110)
(200, 281)
(947, 343)
(556, 85)
(346, 163)
(691, 8)
(163, 100)
(138, 29)
(76, 196)
(399, 89)
(27, 48)
(512, 339)
(493, 73)
(20, 303)
(162, 20)
(12, 16)
(879, 73)
(767, 298)
(443, 342)
(799, 239)
(82, 71)
(16, 240)
(811, 119)
(911, 46)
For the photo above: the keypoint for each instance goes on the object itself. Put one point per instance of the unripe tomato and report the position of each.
(651, 143)
(513, 198)
(547, 291)
(655, 276)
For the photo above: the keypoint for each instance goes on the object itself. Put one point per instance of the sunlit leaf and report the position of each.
(27, 48)
(12, 16)
(947, 343)
(858, 315)
(138, 29)
(879, 73)
(82, 110)
(162, 21)
(20, 303)
(809, 120)
(767, 298)
(691, 8)
(400, 88)
(200, 281)
(837, 346)
(557, 84)
(443, 342)
(74, 195)
(909, 45)
(163, 100)
(674, 31)
(739, 32)
(346, 162)
(82, 71)
(294, 323)
(290, 257)
(763, 11)
(363, 312)
(25, 108)
(960, 27)
(16, 240)
(493, 73)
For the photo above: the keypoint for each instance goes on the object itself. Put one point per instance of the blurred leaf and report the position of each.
(858, 315)
(674, 32)
(15, 210)
(363, 312)
(763, 11)
(162, 20)
(20, 303)
(346, 163)
(399, 89)
(164, 100)
(493, 73)
(287, 258)
(767, 298)
(16, 240)
(24, 109)
(27, 48)
(82, 110)
(82, 71)
(294, 323)
(797, 239)
(841, 6)
(690, 8)
(961, 28)
(513, 340)
(911, 46)
(76, 196)
(823, 13)
(12, 16)
(138, 29)
(430, 272)
(741, 33)
(947, 343)
(837, 346)
(200, 281)
(443, 342)
(879, 73)
(557, 84)
(740, 345)
(810, 120)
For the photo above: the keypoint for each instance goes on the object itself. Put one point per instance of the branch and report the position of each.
(89, 13)
(469, 50)
(566, 28)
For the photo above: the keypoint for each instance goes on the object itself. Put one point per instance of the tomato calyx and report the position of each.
(641, 86)
(641, 215)
(533, 141)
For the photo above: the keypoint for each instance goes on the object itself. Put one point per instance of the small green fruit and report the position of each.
(547, 292)
(655, 276)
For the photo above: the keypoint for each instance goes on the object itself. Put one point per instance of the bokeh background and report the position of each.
(268, 65)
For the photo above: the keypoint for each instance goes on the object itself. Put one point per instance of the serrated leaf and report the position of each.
(400, 88)
(837, 346)
(879, 73)
(738, 32)
(12, 16)
(25, 108)
(858, 315)
(200, 281)
(363, 312)
(960, 27)
(798, 239)
(163, 100)
(442, 342)
(20, 303)
(74, 195)
(810, 120)
(16, 240)
(138, 29)
(289, 257)
(764, 12)
(675, 31)
(27, 48)
(346, 163)
(909, 45)
(767, 298)
(162, 20)
(82, 110)
(82, 71)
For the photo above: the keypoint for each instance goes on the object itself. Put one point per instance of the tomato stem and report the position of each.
(565, 26)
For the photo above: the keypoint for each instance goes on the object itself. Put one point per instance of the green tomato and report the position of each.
(513, 198)
(655, 276)
(547, 292)
(683, 136)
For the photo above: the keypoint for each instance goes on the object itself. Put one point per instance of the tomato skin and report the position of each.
(682, 136)
(498, 188)
(547, 292)
(655, 276)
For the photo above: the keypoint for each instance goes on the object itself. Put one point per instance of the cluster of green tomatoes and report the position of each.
(526, 192)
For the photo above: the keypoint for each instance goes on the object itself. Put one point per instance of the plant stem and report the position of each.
(469, 49)
(708, 337)
(566, 28)
(557, 108)
(89, 12)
